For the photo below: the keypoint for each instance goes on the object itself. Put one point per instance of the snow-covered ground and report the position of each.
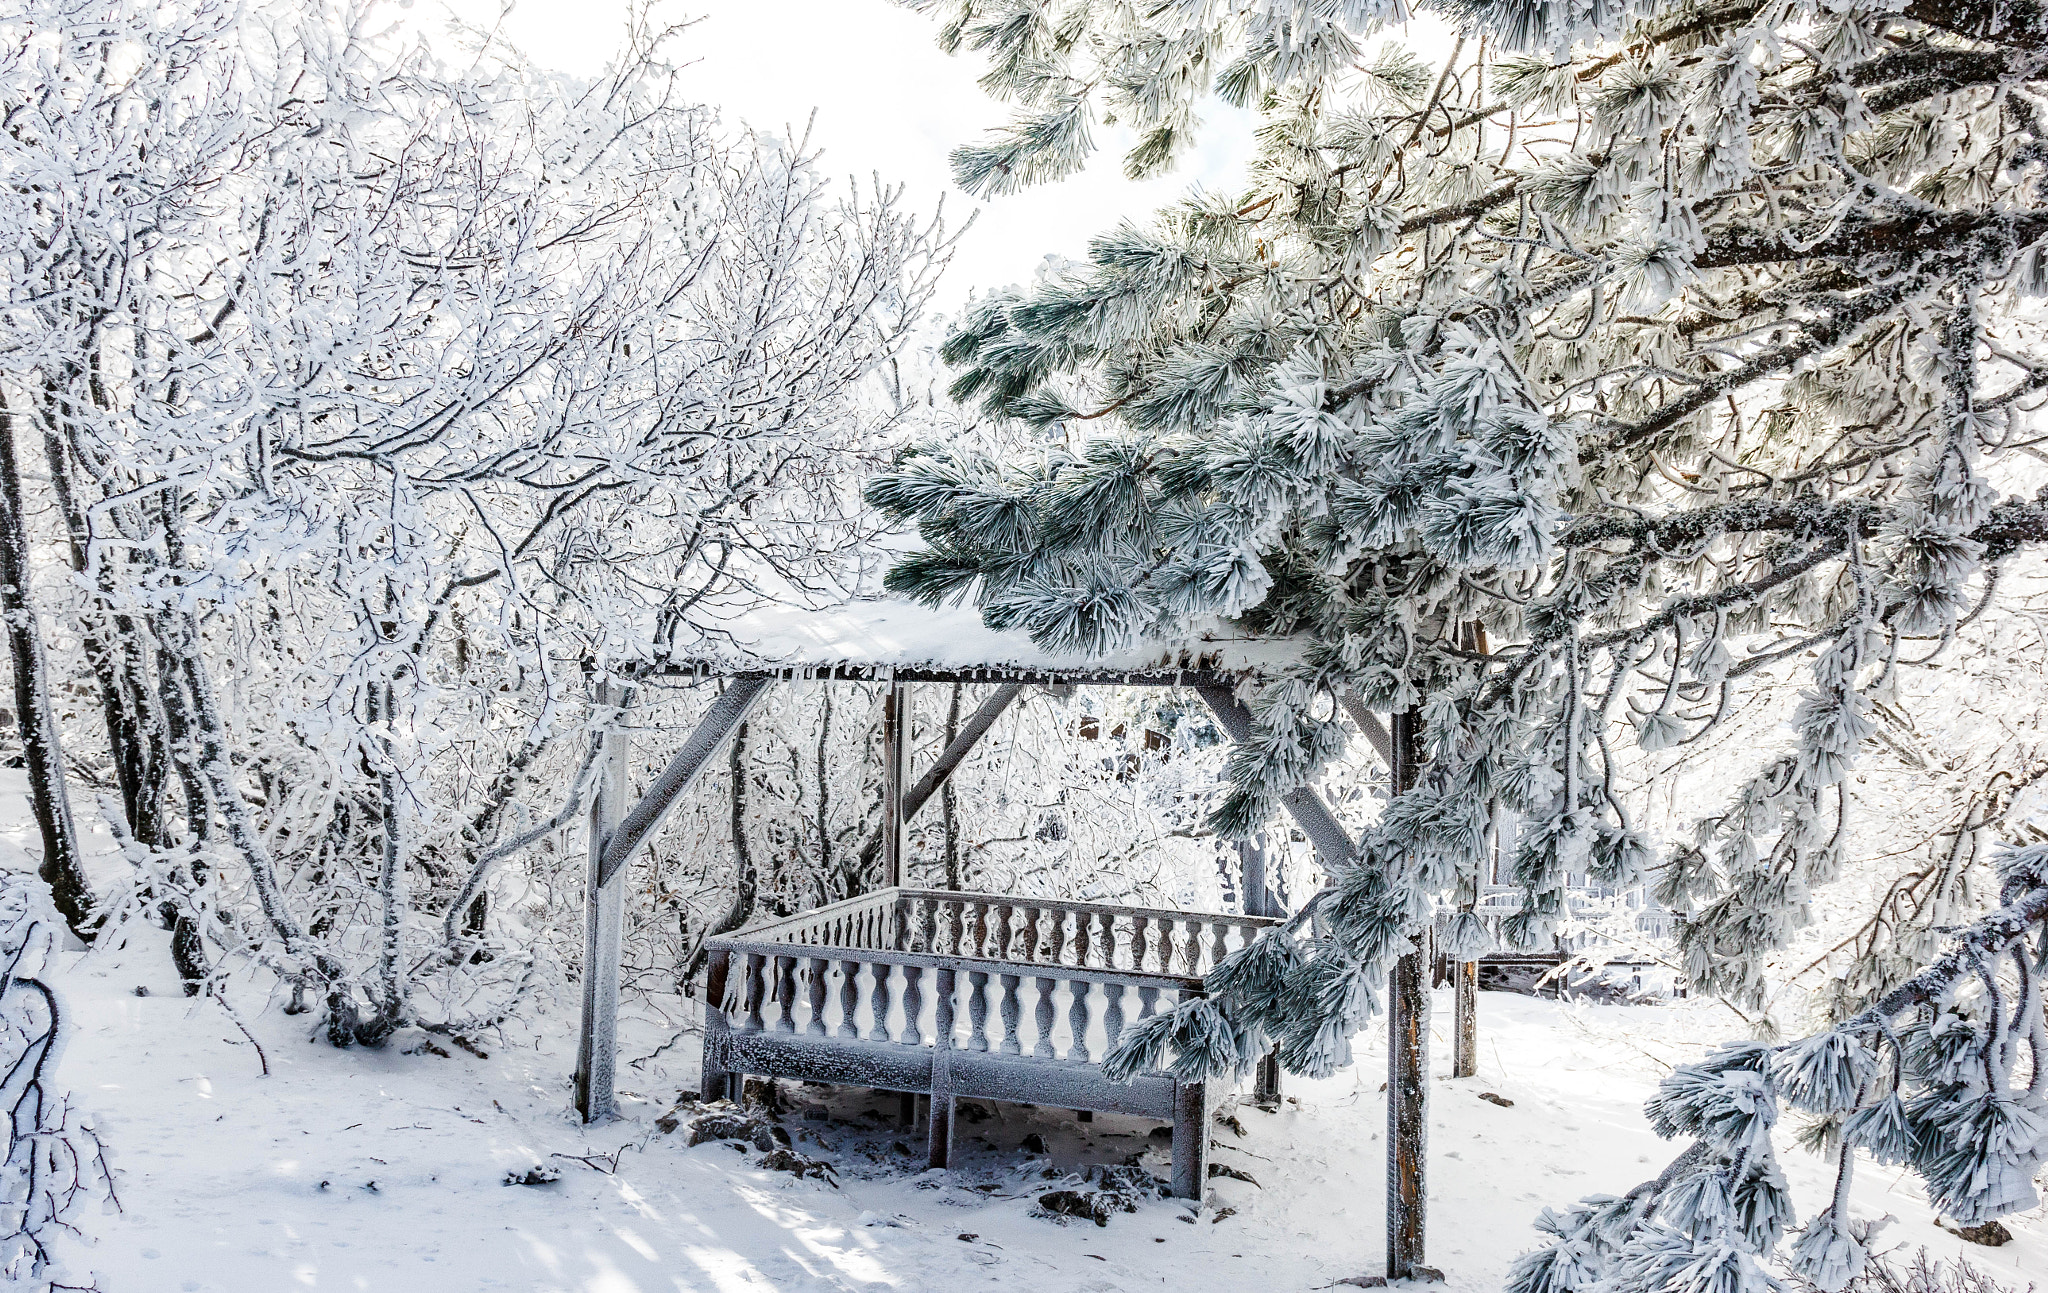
(382, 1170)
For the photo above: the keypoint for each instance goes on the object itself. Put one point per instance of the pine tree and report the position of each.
(1667, 342)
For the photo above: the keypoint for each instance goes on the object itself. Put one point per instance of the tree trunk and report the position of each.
(42, 749)
(114, 651)
(391, 877)
(1407, 1058)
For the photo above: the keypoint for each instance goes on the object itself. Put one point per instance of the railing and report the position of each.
(1019, 976)
(952, 994)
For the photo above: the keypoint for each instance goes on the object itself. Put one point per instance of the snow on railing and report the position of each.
(909, 966)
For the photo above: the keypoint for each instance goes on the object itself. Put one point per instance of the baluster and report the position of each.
(1148, 1003)
(1112, 1014)
(819, 968)
(957, 921)
(785, 993)
(1108, 940)
(981, 943)
(755, 991)
(1043, 1018)
(1166, 945)
(1030, 935)
(1220, 932)
(1082, 927)
(878, 1002)
(1077, 1020)
(1194, 949)
(1002, 931)
(1138, 927)
(1055, 936)
(1010, 1010)
(930, 926)
(977, 1010)
(849, 998)
(913, 1005)
(942, 1009)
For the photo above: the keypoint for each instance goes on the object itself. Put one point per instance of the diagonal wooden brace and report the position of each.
(1331, 841)
(949, 760)
(713, 731)
(1369, 723)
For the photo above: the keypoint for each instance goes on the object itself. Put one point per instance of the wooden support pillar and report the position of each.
(1190, 1139)
(1260, 898)
(1465, 1049)
(713, 1081)
(604, 910)
(939, 1125)
(896, 738)
(1407, 1058)
(615, 835)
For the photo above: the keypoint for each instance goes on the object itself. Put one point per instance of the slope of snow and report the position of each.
(382, 1170)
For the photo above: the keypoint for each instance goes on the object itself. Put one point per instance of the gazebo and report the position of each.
(930, 993)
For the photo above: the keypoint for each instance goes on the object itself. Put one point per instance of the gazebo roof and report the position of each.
(893, 638)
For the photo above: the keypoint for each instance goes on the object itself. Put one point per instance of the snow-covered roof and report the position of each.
(890, 636)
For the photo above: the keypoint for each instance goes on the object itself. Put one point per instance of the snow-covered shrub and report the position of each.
(1923, 1274)
(1946, 1074)
(55, 1163)
(377, 384)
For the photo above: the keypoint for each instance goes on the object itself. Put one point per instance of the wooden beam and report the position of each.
(896, 738)
(841, 671)
(1328, 836)
(978, 723)
(727, 712)
(1369, 723)
(1407, 1058)
(604, 908)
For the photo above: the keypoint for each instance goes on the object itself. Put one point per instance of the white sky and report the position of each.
(888, 103)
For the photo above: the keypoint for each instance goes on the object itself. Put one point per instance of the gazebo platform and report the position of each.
(944, 994)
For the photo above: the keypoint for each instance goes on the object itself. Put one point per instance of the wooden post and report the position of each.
(1260, 900)
(604, 911)
(615, 835)
(1190, 1139)
(939, 1125)
(1465, 1051)
(1465, 974)
(713, 1082)
(1407, 1059)
(895, 780)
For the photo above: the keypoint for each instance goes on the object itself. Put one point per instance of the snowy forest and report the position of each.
(590, 710)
